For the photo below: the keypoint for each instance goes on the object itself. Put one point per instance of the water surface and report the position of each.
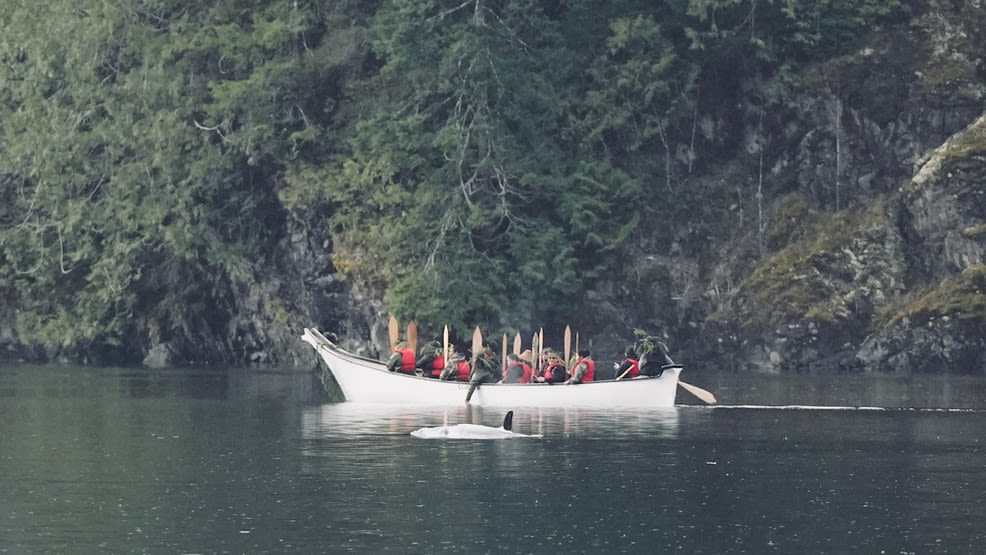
(239, 461)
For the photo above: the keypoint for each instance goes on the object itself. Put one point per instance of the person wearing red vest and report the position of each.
(432, 360)
(402, 359)
(554, 372)
(456, 367)
(585, 368)
(518, 370)
(630, 368)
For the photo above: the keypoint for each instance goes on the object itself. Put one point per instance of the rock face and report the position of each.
(895, 284)
(871, 258)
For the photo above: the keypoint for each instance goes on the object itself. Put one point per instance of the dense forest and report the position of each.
(167, 166)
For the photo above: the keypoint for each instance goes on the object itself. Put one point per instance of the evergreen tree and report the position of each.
(138, 144)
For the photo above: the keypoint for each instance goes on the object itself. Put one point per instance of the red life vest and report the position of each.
(556, 372)
(437, 365)
(527, 372)
(462, 370)
(634, 368)
(590, 372)
(407, 360)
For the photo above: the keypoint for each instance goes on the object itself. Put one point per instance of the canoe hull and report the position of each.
(364, 380)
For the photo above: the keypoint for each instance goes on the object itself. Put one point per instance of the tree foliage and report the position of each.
(476, 162)
(137, 149)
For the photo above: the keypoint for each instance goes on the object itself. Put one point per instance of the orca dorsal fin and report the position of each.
(508, 420)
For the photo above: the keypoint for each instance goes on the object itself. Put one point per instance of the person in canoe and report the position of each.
(484, 370)
(630, 367)
(653, 355)
(554, 371)
(432, 360)
(584, 369)
(402, 359)
(518, 370)
(456, 367)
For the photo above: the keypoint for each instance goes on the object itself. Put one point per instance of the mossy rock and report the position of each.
(807, 279)
(962, 297)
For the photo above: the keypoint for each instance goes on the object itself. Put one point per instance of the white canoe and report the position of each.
(364, 380)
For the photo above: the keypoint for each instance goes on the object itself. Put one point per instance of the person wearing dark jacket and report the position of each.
(432, 360)
(654, 360)
(630, 367)
(402, 359)
(483, 370)
(518, 370)
(456, 367)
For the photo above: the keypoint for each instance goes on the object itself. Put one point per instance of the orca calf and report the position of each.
(472, 431)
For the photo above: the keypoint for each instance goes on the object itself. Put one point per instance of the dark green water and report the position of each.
(125, 461)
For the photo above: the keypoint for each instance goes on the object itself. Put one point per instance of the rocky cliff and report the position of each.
(871, 258)
(855, 241)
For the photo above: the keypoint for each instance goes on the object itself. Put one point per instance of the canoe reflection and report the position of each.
(355, 419)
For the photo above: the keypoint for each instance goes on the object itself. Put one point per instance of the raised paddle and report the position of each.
(568, 346)
(412, 336)
(393, 331)
(517, 344)
(445, 345)
(477, 341)
(535, 355)
(503, 359)
(412, 341)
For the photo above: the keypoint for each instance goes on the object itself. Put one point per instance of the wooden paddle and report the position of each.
(444, 351)
(412, 341)
(535, 354)
(517, 344)
(503, 358)
(706, 396)
(445, 345)
(477, 342)
(393, 332)
(412, 336)
(568, 346)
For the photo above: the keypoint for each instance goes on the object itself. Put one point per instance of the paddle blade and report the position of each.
(535, 352)
(477, 341)
(517, 344)
(503, 357)
(508, 420)
(393, 332)
(445, 344)
(412, 336)
(705, 396)
(568, 345)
